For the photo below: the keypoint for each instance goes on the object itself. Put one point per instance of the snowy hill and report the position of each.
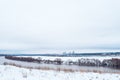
(14, 73)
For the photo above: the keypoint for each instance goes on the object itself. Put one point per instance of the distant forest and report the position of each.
(68, 54)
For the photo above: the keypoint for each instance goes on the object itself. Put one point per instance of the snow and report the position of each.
(8, 72)
(15, 73)
(56, 67)
(101, 58)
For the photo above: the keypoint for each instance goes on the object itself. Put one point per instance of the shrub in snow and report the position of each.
(89, 62)
(114, 63)
(58, 61)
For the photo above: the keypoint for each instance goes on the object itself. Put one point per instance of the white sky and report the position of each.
(51, 24)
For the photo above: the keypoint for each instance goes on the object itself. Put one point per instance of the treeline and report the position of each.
(39, 60)
(113, 63)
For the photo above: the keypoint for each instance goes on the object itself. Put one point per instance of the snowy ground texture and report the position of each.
(14, 73)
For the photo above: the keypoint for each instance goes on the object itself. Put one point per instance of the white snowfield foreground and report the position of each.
(14, 73)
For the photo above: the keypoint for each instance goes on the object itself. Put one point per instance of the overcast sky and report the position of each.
(51, 24)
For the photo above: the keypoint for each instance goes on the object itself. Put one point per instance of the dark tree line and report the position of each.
(39, 60)
(113, 63)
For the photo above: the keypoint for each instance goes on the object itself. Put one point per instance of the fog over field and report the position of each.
(64, 24)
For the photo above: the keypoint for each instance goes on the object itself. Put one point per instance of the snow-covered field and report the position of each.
(15, 73)
(8, 72)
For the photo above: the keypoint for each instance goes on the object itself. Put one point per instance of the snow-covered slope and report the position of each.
(15, 73)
